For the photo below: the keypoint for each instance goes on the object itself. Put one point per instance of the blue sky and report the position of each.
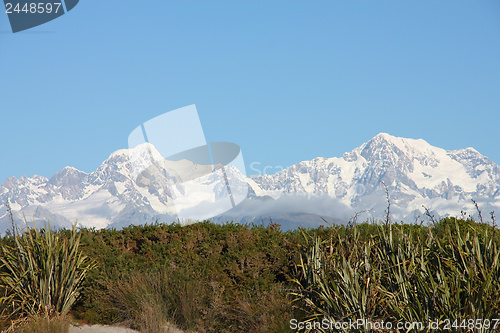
(286, 80)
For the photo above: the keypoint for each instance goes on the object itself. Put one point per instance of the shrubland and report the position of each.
(232, 277)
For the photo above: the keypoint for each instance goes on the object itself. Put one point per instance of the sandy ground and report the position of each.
(99, 329)
(111, 329)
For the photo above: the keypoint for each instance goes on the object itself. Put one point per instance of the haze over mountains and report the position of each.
(416, 174)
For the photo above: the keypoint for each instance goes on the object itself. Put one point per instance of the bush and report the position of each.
(203, 277)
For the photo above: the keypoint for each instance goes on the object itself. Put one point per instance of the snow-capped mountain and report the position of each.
(116, 194)
(416, 174)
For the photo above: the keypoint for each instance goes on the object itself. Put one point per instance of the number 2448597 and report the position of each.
(33, 8)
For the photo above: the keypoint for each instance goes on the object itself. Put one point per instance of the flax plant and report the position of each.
(341, 283)
(41, 273)
(398, 275)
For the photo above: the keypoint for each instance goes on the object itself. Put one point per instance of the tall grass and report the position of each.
(44, 324)
(41, 272)
(165, 301)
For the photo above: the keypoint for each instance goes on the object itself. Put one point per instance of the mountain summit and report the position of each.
(414, 173)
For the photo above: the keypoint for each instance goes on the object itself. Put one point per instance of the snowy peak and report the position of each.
(475, 163)
(137, 186)
(132, 186)
(68, 176)
(390, 149)
(415, 172)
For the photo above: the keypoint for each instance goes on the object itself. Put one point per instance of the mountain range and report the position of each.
(410, 174)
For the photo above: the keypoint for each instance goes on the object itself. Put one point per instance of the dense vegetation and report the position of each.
(251, 278)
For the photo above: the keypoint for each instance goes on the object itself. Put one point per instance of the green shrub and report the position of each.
(204, 277)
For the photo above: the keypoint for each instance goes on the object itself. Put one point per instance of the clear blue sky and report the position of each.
(286, 80)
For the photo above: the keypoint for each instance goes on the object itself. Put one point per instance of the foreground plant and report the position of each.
(337, 280)
(397, 275)
(43, 324)
(41, 272)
